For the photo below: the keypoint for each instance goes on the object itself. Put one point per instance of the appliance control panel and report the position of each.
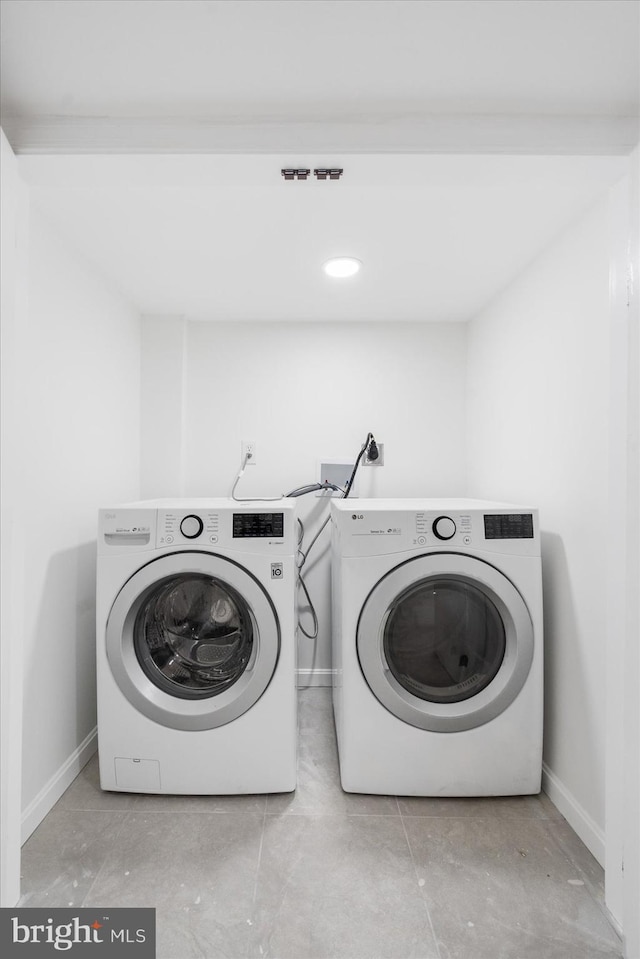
(370, 527)
(258, 525)
(199, 524)
(185, 526)
(247, 529)
(443, 528)
(508, 525)
(180, 527)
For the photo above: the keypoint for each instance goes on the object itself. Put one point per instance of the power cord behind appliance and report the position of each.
(249, 499)
(369, 444)
(299, 491)
(370, 447)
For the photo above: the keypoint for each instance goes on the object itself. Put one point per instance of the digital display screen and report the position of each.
(508, 526)
(252, 525)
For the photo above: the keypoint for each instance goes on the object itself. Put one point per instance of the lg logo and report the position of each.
(357, 516)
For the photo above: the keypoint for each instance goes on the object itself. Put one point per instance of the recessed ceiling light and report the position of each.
(342, 266)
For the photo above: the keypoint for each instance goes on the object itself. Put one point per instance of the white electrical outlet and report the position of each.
(379, 461)
(249, 452)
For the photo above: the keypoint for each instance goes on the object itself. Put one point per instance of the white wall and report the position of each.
(631, 788)
(622, 865)
(304, 392)
(631, 718)
(538, 369)
(79, 426)
(162, 407)
(13, 248)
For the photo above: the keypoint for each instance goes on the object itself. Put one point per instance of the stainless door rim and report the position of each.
(137, 687)
(491, 701)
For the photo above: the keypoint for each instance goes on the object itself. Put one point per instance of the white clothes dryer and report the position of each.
(437, 647)
(196, 664)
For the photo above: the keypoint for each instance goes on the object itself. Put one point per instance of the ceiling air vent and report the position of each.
(320, 173)
(328, 173)
(295, 174)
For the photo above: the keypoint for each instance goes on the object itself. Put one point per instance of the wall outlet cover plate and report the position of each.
(379, 462)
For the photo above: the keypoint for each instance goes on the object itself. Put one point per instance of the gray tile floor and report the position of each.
(320, 874)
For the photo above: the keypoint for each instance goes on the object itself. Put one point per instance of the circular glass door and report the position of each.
(193, 636)
(192, 640)
(445, 642)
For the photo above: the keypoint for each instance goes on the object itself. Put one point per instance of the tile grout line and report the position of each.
(252, 916)
(420, 892)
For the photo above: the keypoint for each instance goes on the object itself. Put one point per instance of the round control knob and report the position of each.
(444, 527)
(191, 526)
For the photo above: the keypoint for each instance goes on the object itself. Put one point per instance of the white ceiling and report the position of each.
(390, 90)
(265, 65)
(195, 57)
(228, 238)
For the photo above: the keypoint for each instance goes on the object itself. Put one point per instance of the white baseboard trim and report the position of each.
(314, 677)
(579, 820)
(50, 793)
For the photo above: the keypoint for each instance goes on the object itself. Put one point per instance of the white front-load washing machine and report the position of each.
(196, 659)
(437, 647)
